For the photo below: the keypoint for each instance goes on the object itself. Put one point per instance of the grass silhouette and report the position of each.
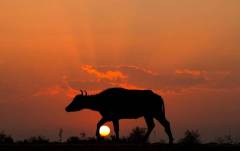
(190, 141)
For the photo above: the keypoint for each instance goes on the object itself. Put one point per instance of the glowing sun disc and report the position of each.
(104, 131)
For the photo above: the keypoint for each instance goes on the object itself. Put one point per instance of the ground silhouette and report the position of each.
(119, 103)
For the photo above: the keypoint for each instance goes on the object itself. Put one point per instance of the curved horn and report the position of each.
(85, 93)
(81, 92)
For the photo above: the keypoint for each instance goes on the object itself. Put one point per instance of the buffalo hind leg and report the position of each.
(150, 125)
(116, 129)
(99, 124)
(165, 123)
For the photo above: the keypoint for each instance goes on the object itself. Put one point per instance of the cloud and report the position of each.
(133, 77)
(108, 75)
(138, 78)
(62, 88)
(190, 72)
(90, 84)
(225, 80)
(145, 78)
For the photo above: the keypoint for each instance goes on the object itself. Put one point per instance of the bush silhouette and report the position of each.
(5, 139)
(227, 139)
(36, 140)
(73, 140)
(81, 140)
(191, 137)
(137, 135)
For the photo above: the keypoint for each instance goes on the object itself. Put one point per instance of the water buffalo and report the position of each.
(119, 103)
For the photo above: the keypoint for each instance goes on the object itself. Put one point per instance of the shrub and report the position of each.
(191, 137)
(73, 140)
(227, 139)
(5, 139)
(137, 135)
(37, 140)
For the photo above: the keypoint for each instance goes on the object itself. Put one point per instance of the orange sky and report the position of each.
(188, 51)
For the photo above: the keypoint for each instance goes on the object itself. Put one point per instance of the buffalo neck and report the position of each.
(91, 103)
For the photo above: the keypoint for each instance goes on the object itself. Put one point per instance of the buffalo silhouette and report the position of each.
(119, 103)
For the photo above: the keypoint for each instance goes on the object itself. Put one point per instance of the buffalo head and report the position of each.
(77, 103)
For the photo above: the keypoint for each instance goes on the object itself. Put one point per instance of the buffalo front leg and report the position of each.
(99, 124)
(116, 129)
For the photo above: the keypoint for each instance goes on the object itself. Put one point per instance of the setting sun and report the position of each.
(104, 131)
